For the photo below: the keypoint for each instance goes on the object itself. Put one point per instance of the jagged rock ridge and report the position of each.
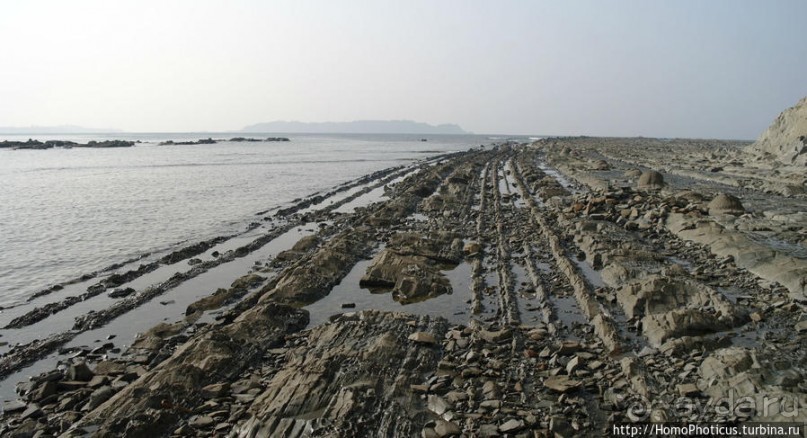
(786, 138)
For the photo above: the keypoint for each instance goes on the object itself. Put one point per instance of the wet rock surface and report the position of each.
(600, 292)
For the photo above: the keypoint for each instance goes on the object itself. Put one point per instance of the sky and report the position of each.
(683, 68)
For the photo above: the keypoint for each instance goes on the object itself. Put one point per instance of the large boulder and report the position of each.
(411, 265)
(632, 173)
(650, 180)
(786, 139)
(726, 204)
(410, 277)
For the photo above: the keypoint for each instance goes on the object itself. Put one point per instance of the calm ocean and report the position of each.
(66, 212)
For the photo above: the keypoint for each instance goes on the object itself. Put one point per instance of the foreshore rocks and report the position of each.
(222, 296)
(679, 305)
(671, 307)
(410, 266)
(154, 404)
(758, 258)
(313, 277)
(536, 290)
(361, 385)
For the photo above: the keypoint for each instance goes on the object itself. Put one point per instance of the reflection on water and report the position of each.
(593, 277)
(568, 311)
(453, 306)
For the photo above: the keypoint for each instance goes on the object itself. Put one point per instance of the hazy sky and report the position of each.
(655, 68)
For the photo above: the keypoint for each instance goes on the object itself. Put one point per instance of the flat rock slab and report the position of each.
(13, 406)
(562, 384)
(355, 375)
(423, 338)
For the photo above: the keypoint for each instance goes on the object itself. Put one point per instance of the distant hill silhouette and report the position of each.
(64, 129)
(356, 127)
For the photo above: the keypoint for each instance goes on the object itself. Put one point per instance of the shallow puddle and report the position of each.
(591, 275)
(525, 294)
(567, 311)
(559, 177)
(454, 306)
(7, 386)
(375, 195)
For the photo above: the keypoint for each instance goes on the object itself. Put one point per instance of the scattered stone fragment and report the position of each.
(215, 390)
(80, 372)
(99, 396)
(438, 404)
(201, 421)
(489, 431)
(511, 426)
(562, 384)
(447, 428)
(10, 406)
(31, 411)
(688, 389)
(423, 338)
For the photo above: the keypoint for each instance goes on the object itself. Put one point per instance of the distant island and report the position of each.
(356, 127)
(63, 129)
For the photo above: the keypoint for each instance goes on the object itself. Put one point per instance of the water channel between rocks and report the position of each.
(453, 306)
(168, 307)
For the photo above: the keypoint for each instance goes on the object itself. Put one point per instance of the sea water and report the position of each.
(67, 212)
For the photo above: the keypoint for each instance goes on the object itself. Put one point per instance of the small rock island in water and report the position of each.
(49, 144)
(212, 141)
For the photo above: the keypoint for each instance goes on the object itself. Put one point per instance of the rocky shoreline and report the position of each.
(607, 286)
(66, 144)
